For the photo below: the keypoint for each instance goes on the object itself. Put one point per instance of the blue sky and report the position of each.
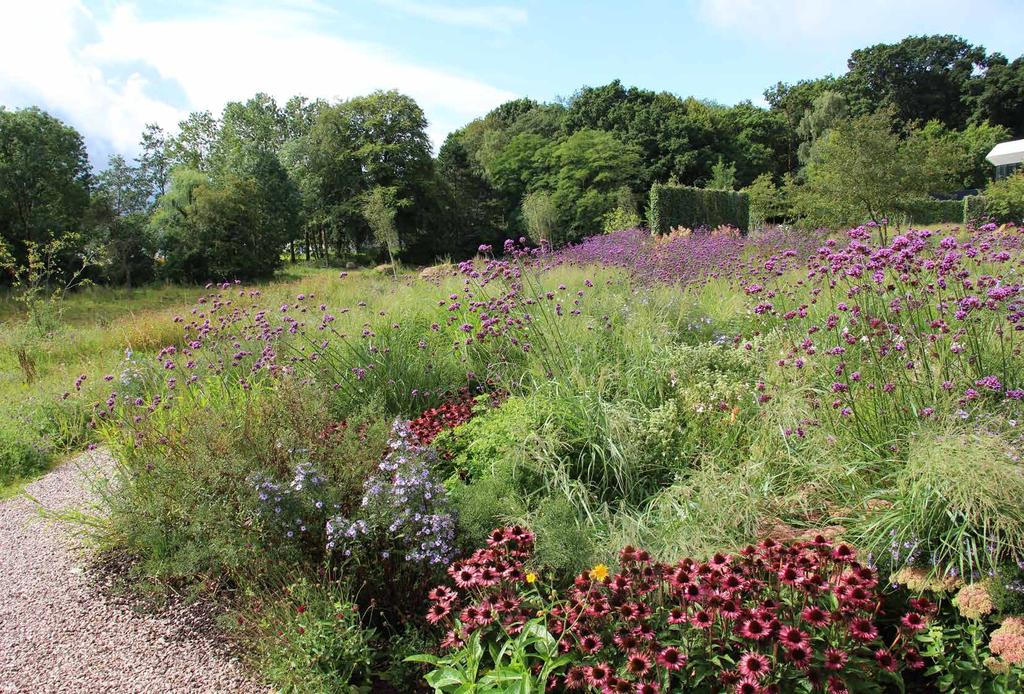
(109, 66)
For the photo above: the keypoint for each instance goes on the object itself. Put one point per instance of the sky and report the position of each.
(108, 67)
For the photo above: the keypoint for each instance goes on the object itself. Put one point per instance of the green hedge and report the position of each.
(935, 211)
(673, 205)
(975, 209)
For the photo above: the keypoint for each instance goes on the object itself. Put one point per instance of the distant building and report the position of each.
(1007, 157)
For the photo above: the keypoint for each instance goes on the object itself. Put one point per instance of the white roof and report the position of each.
(1011, 152)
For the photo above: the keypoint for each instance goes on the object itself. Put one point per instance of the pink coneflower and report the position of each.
(702, 619)
(749, 686)
(671, 658)
(648, 688)
(598, 675)
(442, 594)
(755, 629)
(912, 659)
(913, 622)
(886, 660)
(638, 663)
(863, 629)
(591, 643)
(837, 686)
(677, 616)
(464, 578)
(800, 656)
(815, 616)
(437, 612)
(792, 637)
(835, 659)
(575, 678)
(754, 665)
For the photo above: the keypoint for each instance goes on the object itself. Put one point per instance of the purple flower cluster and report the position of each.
(404, 513)
(296, 509)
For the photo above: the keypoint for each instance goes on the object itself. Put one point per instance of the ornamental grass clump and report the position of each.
(775, 617)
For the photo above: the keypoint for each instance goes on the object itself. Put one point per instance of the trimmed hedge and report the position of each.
(929, 211)
(975, 209)
(673, 205)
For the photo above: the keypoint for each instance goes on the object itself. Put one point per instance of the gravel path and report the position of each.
(59, 632)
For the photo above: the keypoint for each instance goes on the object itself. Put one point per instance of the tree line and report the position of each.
(233, 195)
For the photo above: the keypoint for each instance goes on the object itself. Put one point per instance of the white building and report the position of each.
(1007, 157)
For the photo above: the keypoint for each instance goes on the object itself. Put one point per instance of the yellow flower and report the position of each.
(732, 417)
(531, 577)
(599, 572)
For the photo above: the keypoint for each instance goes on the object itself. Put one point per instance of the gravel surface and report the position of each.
(61, 632)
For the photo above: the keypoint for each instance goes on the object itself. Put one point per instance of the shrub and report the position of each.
(930, 211)
(976, 210)
(673, 205)
(402, 531)
(21, 453)
(774, 617)
(310, 639)
(1005, 198)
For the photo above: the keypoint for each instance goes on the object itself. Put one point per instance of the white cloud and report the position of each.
(494, 17)
(60, 56)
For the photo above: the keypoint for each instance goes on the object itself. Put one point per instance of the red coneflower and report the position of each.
(702, 620)
(638, 663)
(437, 612)
(913, 622)
(671, 658)
(886, 660)
(815, 616)
(800, 656)
(863, 629)
(575, 678)
(835, 659)
(598, 675)
(754, 665)
(792, 637)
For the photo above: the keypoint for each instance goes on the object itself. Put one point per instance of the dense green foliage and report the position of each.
(672, 206)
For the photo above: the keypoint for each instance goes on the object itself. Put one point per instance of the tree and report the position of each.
(1004, 199)
(592, 165)
(1001, 101)
(921, 77)
(44, 181)
(117, 219)
(723, 176)
(194, 144)
(474, 214)
(827, 110)
(380, 208)
(541, 217)
(792, 101)
(961, 153)
(767, 201)
(863, 170)
(155, 160)
(233, 226)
